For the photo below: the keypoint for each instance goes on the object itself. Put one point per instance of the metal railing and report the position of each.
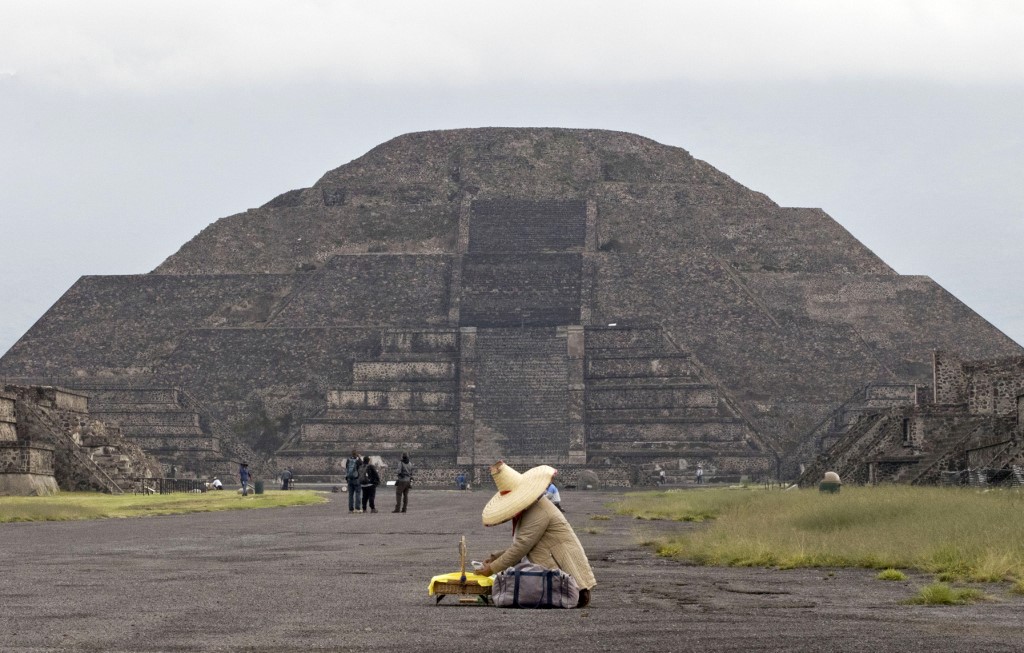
(167, 485)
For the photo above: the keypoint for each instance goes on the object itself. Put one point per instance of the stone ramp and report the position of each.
(522, 395)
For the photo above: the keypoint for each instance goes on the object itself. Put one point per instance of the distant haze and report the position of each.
(127, 127)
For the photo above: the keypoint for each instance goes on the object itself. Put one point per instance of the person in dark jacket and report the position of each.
(355, 491)
(369, 479)
(244, 476)
(403, 483)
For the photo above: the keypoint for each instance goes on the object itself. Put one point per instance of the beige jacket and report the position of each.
(546, 538)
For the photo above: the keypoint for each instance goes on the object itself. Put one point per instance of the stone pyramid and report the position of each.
(582, 298)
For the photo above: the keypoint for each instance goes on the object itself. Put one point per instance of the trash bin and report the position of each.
(259, 487)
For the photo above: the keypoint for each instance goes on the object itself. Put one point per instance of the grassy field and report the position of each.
(958, 534)
(68, 506)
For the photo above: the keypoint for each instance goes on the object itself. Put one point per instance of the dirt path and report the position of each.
(319, 578)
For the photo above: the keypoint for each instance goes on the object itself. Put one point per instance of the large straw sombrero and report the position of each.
(516, 492)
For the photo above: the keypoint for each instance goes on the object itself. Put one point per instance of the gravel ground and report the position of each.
(319, 578)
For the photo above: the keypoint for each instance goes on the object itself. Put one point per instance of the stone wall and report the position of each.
(26, 466)
(645, 402)
(804, 341)
(124, 324)
(641, 437)
(949, 379)
(693, 400)
(676, 367)
(891, 394)
(8, 422)
(993, 387)
(386, 371)
(335, 434)
(373, 289)
(23, 458)
(390, 399)
(211, 361)
(400, 396)
(902, 319)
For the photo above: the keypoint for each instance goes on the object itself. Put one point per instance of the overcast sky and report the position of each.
(127, 127)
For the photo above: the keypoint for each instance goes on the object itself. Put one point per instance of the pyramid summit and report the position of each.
(588, 299)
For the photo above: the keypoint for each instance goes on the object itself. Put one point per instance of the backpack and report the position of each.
(529, 585)
(351, 469)
(364, 475)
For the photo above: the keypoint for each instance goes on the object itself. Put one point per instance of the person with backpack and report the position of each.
(403, 483)
(355, 492)
(368, 482)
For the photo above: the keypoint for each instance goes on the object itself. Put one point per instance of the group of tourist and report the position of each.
(362, 478)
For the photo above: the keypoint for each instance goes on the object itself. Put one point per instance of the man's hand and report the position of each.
(485, 570)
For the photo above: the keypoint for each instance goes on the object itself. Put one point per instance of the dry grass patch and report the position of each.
(962, 534)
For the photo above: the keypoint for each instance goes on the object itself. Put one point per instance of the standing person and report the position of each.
(700, 474)
(539, 531)
(368, 481)
(244, 476)
(553, 496)
(286, 479)
(403, 484)
(355, 492)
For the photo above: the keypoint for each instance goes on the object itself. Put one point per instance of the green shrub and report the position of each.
(891, 574)
(944, 594)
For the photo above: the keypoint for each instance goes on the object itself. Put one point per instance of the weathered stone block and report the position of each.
(370, 371)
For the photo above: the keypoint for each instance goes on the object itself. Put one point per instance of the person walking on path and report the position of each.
(244, 476)
(368, 482)
(553, 496)
(355, 492)
(403, 484)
